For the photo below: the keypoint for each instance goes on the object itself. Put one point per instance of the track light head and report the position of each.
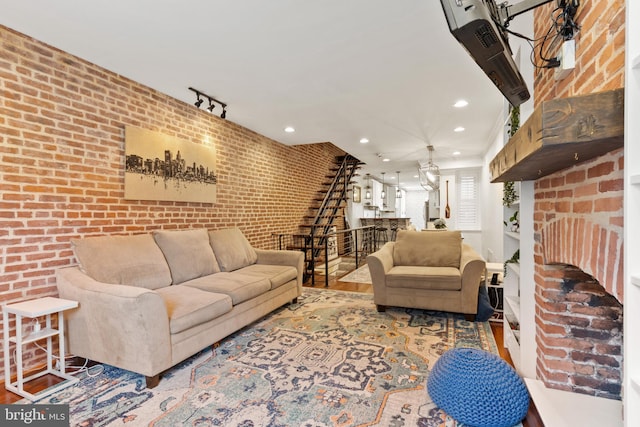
(198, 102)
(211, 105)
(224, 113)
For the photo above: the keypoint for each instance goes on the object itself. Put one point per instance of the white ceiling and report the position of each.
(336, 70)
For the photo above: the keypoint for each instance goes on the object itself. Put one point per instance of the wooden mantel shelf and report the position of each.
(561, 133)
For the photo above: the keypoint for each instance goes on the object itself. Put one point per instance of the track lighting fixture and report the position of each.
(212, 102)
(198, 102)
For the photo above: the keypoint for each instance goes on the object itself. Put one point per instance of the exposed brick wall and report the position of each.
(581, 334)
(62, 166)
(599, 51)
(578, 221)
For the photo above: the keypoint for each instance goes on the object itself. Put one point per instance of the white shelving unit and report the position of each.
(631, 370)
(519, 287)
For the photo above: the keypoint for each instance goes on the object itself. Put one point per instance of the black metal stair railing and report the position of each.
(331, 204)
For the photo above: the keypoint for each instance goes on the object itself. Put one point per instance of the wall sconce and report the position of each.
(212, 102)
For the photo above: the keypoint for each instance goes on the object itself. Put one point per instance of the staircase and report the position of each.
(327, 207)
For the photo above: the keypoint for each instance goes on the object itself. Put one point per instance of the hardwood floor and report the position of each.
(533, 420)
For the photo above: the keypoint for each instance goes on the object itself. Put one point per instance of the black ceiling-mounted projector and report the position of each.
(479, 26)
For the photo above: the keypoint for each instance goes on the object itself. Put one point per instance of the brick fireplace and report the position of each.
(578, 226)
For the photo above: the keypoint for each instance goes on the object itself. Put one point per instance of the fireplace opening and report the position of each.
(579, 333)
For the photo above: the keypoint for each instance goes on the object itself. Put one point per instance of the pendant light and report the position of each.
(429, 173)
(383, 194)
(367, 190)
(398, 192)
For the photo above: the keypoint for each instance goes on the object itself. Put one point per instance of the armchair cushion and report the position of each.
(434, 278)
(428, 248)
(123, 260)
(188, 253)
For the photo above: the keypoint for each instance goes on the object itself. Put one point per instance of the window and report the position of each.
(468, 202)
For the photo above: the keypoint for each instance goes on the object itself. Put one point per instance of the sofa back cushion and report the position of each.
(123, 260)
(232, 249)
(188, 253)
(441, 248)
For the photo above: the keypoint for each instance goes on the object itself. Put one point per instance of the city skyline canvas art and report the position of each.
(163, 167)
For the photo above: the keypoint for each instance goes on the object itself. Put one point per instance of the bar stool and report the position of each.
(381, 235)
(393, 225)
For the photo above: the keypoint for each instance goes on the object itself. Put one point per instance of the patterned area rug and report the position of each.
(360, 275)
(329, 360)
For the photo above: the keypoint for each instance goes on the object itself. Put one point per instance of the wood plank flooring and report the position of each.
(533, 420)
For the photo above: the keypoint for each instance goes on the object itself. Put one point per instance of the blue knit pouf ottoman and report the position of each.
(478, 388)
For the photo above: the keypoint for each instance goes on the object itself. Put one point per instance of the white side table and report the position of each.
(31, 309)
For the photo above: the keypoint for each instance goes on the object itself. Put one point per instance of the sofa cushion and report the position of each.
(239, 286)
(435, 278)
(189, 307)
(188, 253)
(278, 275)
(428, 248)
(123, 260)
(232, 249)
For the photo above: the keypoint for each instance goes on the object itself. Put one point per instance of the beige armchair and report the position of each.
(432, 270)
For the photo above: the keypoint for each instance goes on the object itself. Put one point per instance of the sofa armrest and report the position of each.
(283, 257)
(380, 262)
(124, 326)
(472, 266)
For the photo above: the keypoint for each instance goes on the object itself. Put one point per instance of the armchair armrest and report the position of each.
(380, 262)
(472, 266)
(124, 326)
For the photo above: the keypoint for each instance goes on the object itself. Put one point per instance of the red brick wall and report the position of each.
(599, 51)
(578, 219)
(62, 166)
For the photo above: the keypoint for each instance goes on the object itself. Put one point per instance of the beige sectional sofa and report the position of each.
(432, 270)
(147, 302)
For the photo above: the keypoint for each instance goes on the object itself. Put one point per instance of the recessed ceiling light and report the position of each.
(461, 103)
(459, 129)
(386, 160)
(456, 153)
(363, 140)
(289, 129)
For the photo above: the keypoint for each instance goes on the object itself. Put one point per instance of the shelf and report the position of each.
(557, 135)
(35, 336)
(514, 304)
(635, 384)
(635, 280)
(513, 234)
(635, 179)
(557, 408)
(512, 344)
(515, 267)
(635, 63)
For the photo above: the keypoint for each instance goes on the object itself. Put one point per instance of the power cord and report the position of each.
(563, 28)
